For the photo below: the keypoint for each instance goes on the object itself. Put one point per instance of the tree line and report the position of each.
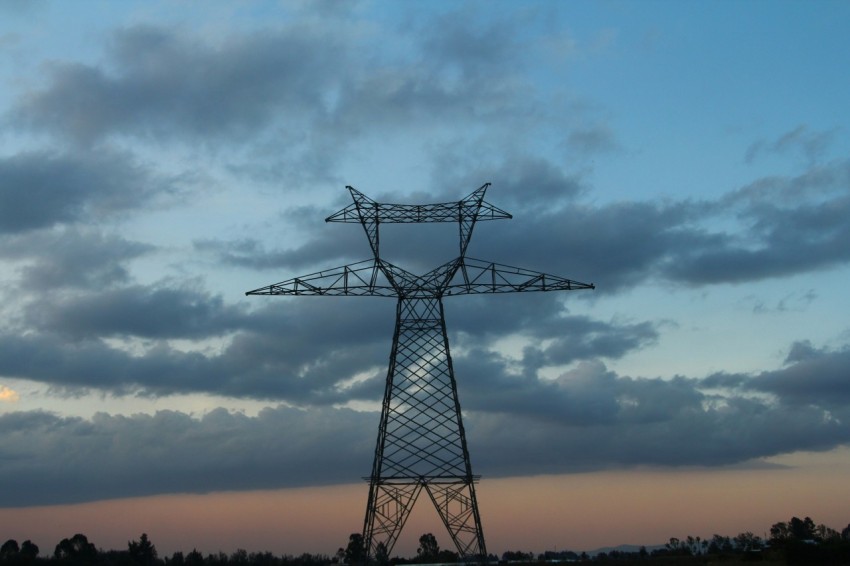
(797, 541)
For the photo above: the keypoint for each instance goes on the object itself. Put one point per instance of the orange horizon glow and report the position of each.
(533, 514)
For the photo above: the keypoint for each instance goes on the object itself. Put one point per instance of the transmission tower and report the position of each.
(421, 442)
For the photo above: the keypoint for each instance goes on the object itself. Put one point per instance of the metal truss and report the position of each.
(461, 276)
(421, 441)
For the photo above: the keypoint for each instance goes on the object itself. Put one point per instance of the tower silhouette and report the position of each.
(421, 441)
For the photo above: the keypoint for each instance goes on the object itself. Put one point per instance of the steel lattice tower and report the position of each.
(421, 442)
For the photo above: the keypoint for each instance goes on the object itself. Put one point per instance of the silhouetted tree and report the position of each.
(797, 542)
(142, 552)
(428, 548)
(194, 558)
(13, 555)
(355, 552)
(694, 545)
(240, 557)
(382, 557)
(9, 550)
(794, 530)
(29, 551)
(677, 547)
(802, 529)
(264, 559)
(824, 533)
(307, 559)
(719, 545)
(77, 548)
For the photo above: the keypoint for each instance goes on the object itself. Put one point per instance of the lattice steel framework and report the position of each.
(421, 442)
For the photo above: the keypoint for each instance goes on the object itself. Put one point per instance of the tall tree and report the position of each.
(76, 548)
(719, 544)
(29, 550)
(382, 557)
(355, 552)
(9, 550)
(142, 551)
(194, 558)
(802, 529)
(428, 547)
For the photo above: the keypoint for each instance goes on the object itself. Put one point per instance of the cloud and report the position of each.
(593, 139)
(72, 257)
(528, 184)
(489, 50)
(328, 245)
(792, 224)
(161, 82)
(302, 81)
(582, 338)
(812, 144)
(523, 184)
(615, 245)
(315, 85)
(54, 460)
(303, 353)
(169, 84)
(791, 302)
(42, 189)
(814, 377)
(618, 243)
(146, 312)
(589, 418)
(773, 227)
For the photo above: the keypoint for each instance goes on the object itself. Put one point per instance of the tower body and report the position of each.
(421, 442)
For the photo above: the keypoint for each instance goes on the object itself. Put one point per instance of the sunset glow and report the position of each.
(567, 512)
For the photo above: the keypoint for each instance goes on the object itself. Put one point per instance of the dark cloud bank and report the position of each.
(587, 419)
(77, 297)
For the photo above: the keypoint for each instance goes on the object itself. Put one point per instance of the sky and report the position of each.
(159, 159)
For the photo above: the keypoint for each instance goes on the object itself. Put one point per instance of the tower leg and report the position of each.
(421, 440)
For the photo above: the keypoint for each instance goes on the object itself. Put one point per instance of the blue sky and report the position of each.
(159, 159)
